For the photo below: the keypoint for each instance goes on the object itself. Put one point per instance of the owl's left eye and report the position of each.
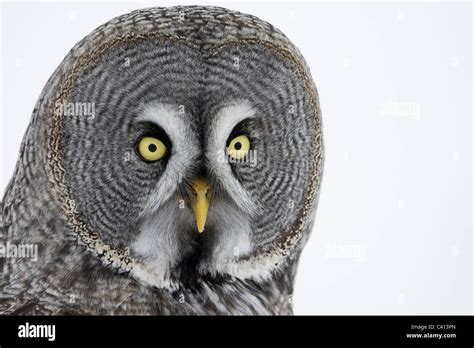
(238, 147)
(151, 149)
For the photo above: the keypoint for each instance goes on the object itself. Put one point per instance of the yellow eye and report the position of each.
(238, 147)
(151, 149)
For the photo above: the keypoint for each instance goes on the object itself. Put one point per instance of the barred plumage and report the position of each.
(116, 234)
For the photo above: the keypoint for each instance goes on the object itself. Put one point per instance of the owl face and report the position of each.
(194, 160)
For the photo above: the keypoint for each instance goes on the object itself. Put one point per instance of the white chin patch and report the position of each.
(164, 241)
(158, 245)
(230, 240)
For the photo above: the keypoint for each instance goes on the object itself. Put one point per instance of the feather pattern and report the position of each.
(116, 235)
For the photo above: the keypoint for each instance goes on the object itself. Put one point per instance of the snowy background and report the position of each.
(393, 233)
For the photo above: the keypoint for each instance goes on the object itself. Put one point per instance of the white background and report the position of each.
(393, 233)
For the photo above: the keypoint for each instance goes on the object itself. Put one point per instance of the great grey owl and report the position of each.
(172, 166)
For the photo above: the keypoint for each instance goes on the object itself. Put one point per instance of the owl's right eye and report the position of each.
(151, 149)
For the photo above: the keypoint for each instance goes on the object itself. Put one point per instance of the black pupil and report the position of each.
(238, 146)
(152, 147)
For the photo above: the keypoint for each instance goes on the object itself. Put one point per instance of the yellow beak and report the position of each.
(200, 203)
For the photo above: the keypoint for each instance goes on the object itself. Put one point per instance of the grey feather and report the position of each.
(113, 233)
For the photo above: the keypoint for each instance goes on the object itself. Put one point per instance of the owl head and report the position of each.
(185, 142)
